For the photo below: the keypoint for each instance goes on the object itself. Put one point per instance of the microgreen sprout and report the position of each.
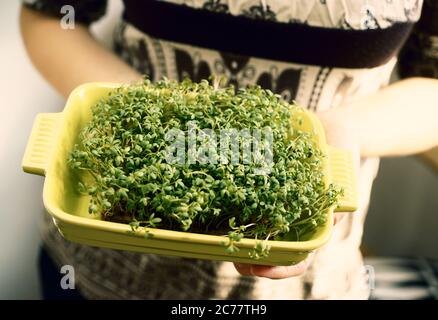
(122, 152)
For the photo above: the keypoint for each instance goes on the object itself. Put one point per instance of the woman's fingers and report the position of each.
(339, 216)
(274, 272)
(244, 269)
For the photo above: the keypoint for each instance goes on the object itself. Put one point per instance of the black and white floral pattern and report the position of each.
(357, 14)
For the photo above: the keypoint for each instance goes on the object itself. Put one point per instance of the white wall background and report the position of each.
(403, 218)
(23, 94)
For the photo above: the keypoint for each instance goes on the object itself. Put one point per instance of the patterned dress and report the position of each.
(337, 271)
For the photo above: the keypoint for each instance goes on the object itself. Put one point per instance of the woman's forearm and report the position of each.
(401, 119)
(69, 57)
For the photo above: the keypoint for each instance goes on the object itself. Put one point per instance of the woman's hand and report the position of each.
(272, 272)
(339, 134)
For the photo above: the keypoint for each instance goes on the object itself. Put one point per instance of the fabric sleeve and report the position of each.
(86, 11)
(419, 57)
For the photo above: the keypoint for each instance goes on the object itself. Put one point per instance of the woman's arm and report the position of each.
(399, 120)
(69, 57)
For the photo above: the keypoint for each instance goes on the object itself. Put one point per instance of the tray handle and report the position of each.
(343, 175)
(40, 143)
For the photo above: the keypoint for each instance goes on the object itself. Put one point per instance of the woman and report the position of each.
(333, 57)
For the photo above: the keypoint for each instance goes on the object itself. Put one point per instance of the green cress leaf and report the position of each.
(123, 149)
